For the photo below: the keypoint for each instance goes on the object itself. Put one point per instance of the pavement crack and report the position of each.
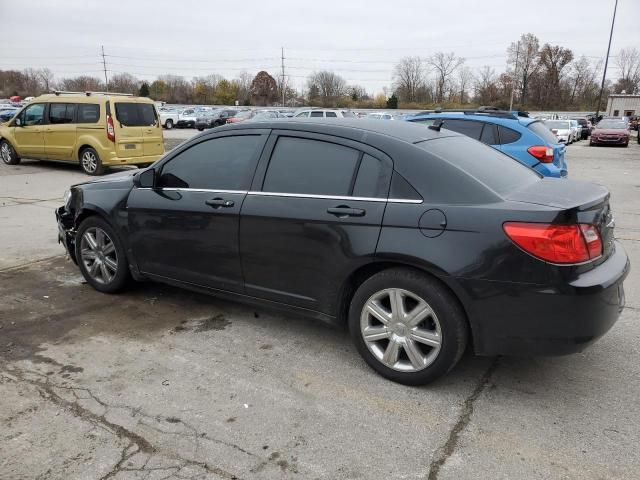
(444, 452)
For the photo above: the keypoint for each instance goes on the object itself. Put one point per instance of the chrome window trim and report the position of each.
(280, 194)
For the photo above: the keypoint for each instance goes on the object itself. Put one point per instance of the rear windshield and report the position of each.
(542, 130)
(135, 114)
(559, 124)
(499, 172)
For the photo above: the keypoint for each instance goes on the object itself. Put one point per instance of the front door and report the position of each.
(186, 228)
(60, 131)
(30, 135)
(313, 220)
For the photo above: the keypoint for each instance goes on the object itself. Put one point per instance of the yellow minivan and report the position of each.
(96, 129)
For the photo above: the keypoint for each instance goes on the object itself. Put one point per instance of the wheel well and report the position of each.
(82, 149)
(84, 214)
(359, 276)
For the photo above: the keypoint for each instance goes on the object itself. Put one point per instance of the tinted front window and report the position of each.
(225, 163)
(309, 166)
(302, 114)
(61, 112)
(88, 113)
(466, 127)
(33, 114)
(542, 130)
(135, 114)
(369, 182)
(507, 135)
(494, 169)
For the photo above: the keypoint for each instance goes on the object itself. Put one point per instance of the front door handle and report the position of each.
(219, 202)
(346, 211)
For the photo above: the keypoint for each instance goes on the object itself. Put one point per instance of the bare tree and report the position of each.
(409, 76)
(526, 52)
(486, 86)
(465, 77)
(47, 79)
(243, 81)
(329, 86)
(628, 62)
(444, 64)
(124, 83)
(553, 60)
(82, 83)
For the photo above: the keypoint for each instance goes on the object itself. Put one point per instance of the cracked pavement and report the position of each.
(159, 383)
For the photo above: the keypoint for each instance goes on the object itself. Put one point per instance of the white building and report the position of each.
(623, 105)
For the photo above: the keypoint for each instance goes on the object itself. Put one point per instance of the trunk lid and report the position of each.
(137, 129)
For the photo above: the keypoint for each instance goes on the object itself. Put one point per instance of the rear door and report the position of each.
(186, 228)
(312, 217)
(132, 120)
(60, 131)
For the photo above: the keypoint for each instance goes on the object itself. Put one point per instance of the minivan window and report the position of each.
(225, 163)
(482, 162)
(332, 114)
(33, 114)
(88, 113)
(61, 113)
(300, 165)
(135, 114)
(317, 114)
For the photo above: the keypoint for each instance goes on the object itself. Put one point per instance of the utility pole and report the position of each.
(515, 76)
(282, 85)
(104, 64)
(606, 61)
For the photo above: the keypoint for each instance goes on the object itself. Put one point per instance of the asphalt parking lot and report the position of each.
(162, 383)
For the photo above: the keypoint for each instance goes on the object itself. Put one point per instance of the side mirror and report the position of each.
(18, 122)
(145, 179)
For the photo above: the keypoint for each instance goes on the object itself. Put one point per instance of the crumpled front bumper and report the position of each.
(66, 232)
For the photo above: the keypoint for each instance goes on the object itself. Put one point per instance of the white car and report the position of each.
(561, 129)
(324, 113)
(380, 116)
(187, 118)
(168, 117)
(576, 130)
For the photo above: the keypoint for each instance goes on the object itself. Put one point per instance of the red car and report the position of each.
(241, 116)
(610, 132)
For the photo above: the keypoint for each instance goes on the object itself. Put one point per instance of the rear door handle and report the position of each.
(220, 202)
(346, 211)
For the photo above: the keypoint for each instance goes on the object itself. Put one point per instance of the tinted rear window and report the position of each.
(88, 113)
(135, 114)
(498, 171)
(542, 130)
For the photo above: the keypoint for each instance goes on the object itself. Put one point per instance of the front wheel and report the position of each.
(8, 153)
(90, 162)
(168, 124)
(101, 256)
(407, 326)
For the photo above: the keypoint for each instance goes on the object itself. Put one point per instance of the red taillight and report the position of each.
(111, 132)
(556, 243)
(554, 130)
(544, 154)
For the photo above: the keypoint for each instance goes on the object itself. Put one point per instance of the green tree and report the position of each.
(226, 93)
(392, 101)
(144, 90)
(158, 90)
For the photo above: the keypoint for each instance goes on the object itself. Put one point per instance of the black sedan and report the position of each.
(406, 233)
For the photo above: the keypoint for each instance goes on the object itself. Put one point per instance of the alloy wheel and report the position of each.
(99, 256)
(89, 161)
(401, 330)
(5, 152)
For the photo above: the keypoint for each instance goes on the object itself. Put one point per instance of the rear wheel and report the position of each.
(8, 153)
(407, 326)
(101, 256)
(168, 124)
(90, 162)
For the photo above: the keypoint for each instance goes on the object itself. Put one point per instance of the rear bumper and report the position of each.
(605, 141)
(66, 232)
(144, 159)
(552, 320)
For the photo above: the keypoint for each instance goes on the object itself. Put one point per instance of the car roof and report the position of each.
(350, 128)
(480, 116)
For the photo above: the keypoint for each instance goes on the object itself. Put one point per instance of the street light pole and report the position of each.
(606, 61)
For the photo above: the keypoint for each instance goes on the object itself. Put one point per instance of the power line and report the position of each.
(104, 64)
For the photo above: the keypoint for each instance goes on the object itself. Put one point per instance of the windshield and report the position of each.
(558, 124)
(615, 124)
(135, 114)
(542, 130)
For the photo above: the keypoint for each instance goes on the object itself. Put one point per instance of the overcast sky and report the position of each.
(360, 40)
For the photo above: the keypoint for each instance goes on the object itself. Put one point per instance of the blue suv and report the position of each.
(526, 139)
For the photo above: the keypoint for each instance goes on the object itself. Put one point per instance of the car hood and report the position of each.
(115, 180)
(609, 131)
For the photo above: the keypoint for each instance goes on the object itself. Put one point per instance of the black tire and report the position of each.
(449, 316)
(121, 275)
(168, 124)
(90, 162)
(200, 129)
(8, 153)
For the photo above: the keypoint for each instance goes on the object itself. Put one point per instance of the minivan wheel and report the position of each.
(101, 256)
(8, 153)
(407, 326)
(90, 162)
(168, 124)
